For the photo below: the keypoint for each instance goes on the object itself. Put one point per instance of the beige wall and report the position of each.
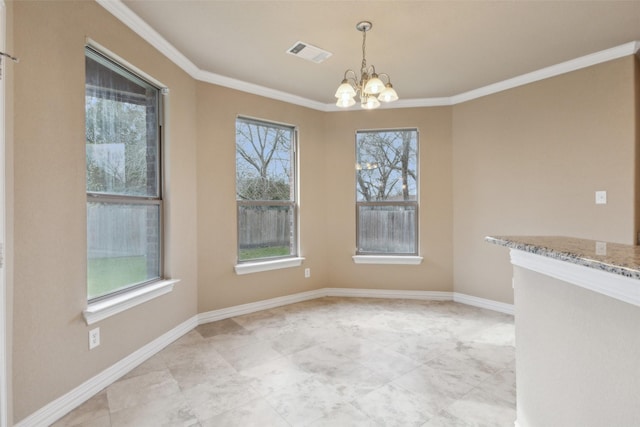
(529, 160)
(50, 340)
(9, 72)
(219, 286)
(327, 203)
(435, 272)
(524, 161)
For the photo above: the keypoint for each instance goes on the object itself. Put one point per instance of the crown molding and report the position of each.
(151, 36)
(401, 103)
(554, 70)
(144, 30)
(217, 79)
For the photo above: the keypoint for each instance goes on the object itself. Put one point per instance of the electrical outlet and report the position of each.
(601, 197)
(94, 338)
(307, 272)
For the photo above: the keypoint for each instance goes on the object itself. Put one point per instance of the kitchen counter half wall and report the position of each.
(615, 258)
(612, 269)
(577, 343)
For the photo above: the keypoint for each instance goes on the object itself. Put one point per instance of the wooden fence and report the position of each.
(264, 228)
(390, 231)
(120, 230)
(117, 230)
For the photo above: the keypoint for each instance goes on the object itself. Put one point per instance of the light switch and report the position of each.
(601, 197)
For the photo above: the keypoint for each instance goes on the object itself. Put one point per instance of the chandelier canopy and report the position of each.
(369, 85)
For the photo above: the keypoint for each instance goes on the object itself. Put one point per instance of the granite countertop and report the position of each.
(614, 258)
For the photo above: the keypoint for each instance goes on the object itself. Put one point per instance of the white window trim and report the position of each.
(388, 259)
(104, 308)
(126, 64)
(256, 267)
(392, 258)
(119, 302)
(261, 264)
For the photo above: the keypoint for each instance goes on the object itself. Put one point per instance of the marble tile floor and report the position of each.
(325, 362)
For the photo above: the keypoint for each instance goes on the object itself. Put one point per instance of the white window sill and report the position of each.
(256, 267)
(108, 307)
(387, 259)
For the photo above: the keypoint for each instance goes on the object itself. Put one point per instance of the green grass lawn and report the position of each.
(269, 252)
(105, 275)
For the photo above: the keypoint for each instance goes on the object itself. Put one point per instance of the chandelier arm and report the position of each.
(354, 76)
(385, 75)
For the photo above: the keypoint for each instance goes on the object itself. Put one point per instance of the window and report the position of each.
(124, 203)
(386, 192)
(265, 190)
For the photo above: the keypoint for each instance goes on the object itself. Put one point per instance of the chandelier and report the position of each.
(369, 87)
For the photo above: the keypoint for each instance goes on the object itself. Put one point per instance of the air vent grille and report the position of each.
(309, 52)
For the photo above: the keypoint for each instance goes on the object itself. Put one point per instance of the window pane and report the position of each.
(265, 190)
(123, 246)
(121, 113)
(387, 192)
(265, 231)
(123, 178)
(264, 161)
(387, 229)
(386, 165)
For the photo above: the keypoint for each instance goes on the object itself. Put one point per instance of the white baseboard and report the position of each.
(385, 293)
(58, 408)
(238, 310)
(484, 303)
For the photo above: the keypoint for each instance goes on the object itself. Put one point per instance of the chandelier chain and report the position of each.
(363, 68)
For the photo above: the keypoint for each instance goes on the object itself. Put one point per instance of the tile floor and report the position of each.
(326, 362)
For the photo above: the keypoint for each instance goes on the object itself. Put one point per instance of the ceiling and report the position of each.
(432, 50)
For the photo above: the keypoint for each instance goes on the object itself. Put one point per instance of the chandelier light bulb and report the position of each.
(345, 89)
(374, 85)
(370, 102)
(388, 94)
(346, 102)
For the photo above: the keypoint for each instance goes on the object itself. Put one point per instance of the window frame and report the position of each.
(117, 300)
(274, 262)
(388, 257)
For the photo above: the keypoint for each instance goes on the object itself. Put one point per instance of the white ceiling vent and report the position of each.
(309, 52)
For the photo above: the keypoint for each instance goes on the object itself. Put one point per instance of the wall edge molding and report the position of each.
(552, 71)
(488, 304)
(386, 293)
(118, 9)
(252, 307)
(278, 95)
